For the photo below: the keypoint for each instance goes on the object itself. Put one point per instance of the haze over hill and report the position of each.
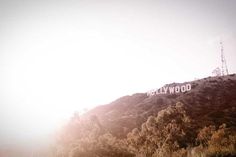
(202, 118)
(61, 56)
(58, 57)
(211, 100)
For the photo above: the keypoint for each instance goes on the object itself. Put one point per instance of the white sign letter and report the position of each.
(177, 89)
(188, 87)
(171, 90)
(165, 89)
(183, 88)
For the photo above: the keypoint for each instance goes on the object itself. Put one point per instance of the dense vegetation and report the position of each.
(199, 123)
(170, 133)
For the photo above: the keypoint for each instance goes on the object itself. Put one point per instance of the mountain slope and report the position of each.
(212, 100)
(196, 122)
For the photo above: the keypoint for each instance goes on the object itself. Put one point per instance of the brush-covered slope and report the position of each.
(211, 100)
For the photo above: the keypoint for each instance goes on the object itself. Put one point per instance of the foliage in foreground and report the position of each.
(170, 134)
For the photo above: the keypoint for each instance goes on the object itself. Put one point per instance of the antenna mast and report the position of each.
(224, 69)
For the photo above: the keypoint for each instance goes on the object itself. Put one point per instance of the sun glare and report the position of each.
(59, 59)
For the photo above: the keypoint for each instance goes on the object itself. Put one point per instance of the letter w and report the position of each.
(171, 90)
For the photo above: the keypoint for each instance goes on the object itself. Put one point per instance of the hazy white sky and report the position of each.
(57, 57)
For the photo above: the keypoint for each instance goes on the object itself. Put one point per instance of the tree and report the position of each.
(161, 135)
(104, 146)
(217, 142)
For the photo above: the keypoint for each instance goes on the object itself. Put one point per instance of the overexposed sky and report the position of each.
(57, 57)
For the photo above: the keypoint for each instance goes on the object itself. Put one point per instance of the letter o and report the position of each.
(188, 87)
(177, 89)
(183, 88)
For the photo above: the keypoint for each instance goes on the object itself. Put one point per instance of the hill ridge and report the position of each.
(130, 111)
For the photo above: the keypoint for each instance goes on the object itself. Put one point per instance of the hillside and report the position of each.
(200, 122)
(212, 100)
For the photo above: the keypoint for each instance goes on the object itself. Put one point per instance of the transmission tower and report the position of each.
(224, 69)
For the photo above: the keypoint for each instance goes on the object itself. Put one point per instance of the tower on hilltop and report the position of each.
(224, 69)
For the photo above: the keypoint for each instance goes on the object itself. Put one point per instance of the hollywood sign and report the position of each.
(170, 90)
